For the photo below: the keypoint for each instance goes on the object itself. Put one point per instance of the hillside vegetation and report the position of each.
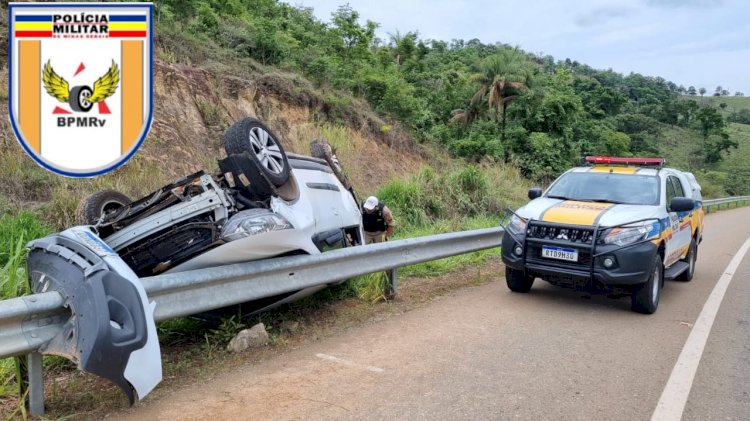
(475, 100)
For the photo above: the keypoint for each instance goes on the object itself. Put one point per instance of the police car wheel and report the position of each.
(78, 99)
(690, 259)
(91, 209)
(262, 146)
(645, 298)
(518, 281)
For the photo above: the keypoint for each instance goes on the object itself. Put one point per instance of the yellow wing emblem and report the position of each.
(106, 85)
(54, 84)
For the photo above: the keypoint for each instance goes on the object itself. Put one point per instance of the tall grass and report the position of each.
(469, 191)
(15, 232)
(24, 185)
(468, 197)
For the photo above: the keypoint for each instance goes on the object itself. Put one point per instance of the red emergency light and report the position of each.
(625, 161)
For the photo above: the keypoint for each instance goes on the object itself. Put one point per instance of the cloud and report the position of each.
(684, 3)
(602, 15)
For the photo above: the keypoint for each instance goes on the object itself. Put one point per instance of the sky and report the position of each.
(704, 43)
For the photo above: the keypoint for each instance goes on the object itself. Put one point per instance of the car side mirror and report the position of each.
(682, 204)
(535, 192)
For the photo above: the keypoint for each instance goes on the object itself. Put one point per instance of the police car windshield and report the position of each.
(631, 189)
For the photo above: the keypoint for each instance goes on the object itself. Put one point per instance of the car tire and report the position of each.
(645, 297)
(78, 99)
(691, 257)
(91, 209)
(321, 149)
(262, 147)
(517, 280)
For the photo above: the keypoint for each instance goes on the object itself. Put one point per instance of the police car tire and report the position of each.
(74, 100)
(692, 255)
(518, 281)
(645, 298)
(236, 141)
(91, 209)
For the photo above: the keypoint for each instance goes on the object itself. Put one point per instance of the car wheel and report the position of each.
(517, 280)
(91, 209)
(321, 149)
(645, 298)
(691, 257)
(262, 146)
(79, 99)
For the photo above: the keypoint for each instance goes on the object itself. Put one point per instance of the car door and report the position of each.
(680, 223)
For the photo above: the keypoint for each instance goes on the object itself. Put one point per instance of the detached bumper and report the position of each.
(632, 264)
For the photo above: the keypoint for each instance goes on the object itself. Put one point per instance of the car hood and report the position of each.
(585, 213)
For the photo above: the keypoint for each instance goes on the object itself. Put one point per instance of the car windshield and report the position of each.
(631, 189)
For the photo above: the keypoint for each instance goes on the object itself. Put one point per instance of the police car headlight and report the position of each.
(253, 222)
(623, 236)
(517, 225)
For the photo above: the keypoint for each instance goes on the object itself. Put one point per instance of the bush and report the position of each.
(742, 116)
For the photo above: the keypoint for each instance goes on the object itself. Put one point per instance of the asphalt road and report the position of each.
(487, 353)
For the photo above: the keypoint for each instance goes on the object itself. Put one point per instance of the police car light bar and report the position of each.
(625, 161)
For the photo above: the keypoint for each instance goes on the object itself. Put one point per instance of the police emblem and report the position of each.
(81, 83)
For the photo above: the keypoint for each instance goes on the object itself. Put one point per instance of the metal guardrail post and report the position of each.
(393, 276)
(36, 384)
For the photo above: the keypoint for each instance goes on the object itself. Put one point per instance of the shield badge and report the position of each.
(80, 83)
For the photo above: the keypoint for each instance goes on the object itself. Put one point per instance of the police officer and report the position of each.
(377, 221)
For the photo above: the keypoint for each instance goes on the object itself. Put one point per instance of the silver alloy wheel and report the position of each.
(266, 150)
(83, 98)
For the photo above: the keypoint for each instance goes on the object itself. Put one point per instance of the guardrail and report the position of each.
(28, 323)
(726, 202)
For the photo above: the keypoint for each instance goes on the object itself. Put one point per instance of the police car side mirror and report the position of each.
(535, 192)
(682, 204)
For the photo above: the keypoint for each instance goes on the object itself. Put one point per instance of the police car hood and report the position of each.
(585, 213)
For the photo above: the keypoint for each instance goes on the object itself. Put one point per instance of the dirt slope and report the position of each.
(193, 106)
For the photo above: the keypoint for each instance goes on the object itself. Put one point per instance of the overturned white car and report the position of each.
(261, 203)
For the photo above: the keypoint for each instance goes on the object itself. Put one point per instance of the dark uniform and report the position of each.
(376, 223)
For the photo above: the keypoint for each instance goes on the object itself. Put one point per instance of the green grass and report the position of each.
(466, 197)
(730, 177)
(734, 103)
(15, 232)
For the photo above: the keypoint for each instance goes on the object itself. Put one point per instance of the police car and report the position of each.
(614, 223)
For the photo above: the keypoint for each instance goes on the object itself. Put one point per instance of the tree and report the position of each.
(715, 140)
(709, 120)
(403, 46)
(354, 39)
(742, 116)
(718, 90)
(702, 91)
(691, 91)
(738, 93)
(467, 115)
(502, 78)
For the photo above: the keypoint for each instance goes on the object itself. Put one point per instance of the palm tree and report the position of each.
(502, 78)
(403, 45)
(467, 115)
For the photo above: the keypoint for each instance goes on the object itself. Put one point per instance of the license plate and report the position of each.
(560, 253)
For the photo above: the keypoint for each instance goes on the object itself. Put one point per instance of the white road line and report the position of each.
(349, 363)
(676, 392)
